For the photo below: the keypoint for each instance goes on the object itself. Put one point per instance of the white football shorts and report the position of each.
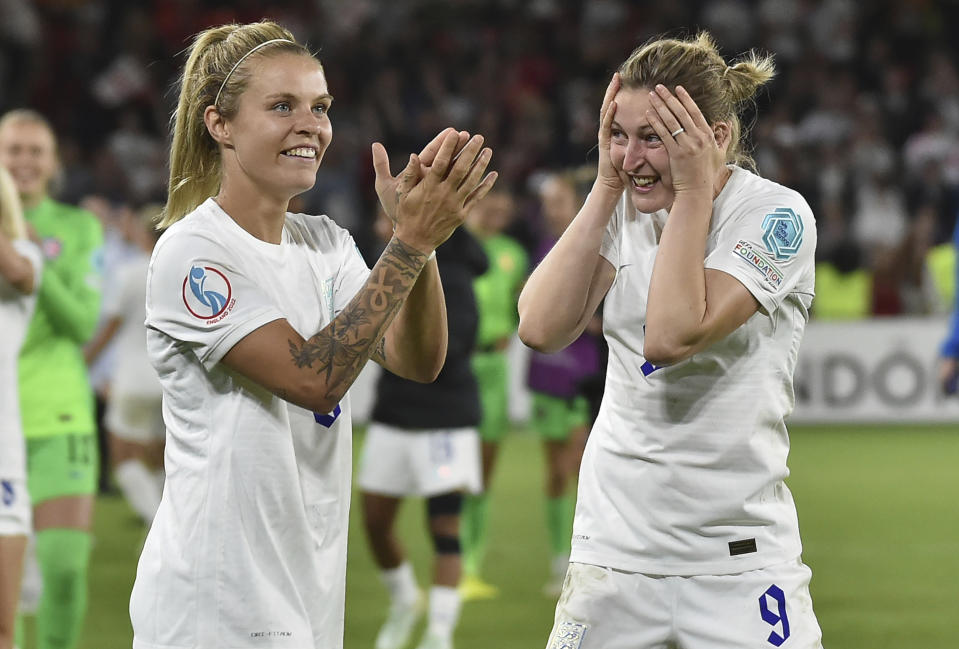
(135, 418)
(16, 511)
(399, 462)
(602, 608)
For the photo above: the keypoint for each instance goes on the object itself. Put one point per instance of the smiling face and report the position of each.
(638, 154)
(28, 152)
(274, 143)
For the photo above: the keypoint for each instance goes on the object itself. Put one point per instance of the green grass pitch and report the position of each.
(877, 508)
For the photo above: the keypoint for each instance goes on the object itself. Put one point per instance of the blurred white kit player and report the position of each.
(248, 548)
(133, 411)
(16, 309)
(16, 509)
(419, 463)
(682, 477)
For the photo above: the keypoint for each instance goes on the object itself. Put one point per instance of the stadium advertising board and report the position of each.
(879, 370)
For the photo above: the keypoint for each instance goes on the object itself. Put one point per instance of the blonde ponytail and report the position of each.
(746, 76)
(215, 64)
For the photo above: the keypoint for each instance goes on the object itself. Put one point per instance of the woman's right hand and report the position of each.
(433, 200)
(607, 176)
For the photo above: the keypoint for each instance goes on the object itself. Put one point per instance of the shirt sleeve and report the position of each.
(769, 245)
(198, 293)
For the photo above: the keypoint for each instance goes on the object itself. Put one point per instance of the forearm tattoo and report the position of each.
(342, 348)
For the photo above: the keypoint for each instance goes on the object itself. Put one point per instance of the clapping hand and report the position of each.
(431, 196)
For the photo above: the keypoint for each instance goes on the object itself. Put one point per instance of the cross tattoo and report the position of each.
(381, 292)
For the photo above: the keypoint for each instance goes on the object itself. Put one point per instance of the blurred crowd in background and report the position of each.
(862, 119)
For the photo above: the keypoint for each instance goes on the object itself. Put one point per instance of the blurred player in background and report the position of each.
(496, 293)
(685, 533)
(258, 323)
(20, 268)
(560, 409)
(117, 250)
(422, 441)
(56, 399)
(133, 419)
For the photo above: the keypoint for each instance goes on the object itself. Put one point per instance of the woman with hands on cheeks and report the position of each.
(685, 534)
(259, 321)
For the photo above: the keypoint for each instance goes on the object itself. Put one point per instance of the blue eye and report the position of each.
(321, 109)
(282, 107)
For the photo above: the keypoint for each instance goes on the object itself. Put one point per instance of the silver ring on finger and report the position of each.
(678, 131)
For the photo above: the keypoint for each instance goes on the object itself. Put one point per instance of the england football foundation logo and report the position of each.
(207, 293)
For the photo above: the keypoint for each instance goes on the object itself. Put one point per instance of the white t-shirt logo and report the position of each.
(206, 292)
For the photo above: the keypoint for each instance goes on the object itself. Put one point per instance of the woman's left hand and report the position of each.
(695, 156)
(386, 184)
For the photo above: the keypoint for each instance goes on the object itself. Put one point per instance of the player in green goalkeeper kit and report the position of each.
(55, 395)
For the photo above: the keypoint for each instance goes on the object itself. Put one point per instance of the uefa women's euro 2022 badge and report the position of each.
(207, 293)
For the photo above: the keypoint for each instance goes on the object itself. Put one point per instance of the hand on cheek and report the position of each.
(694, 158)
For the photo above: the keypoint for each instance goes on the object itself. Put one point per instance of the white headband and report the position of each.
(216, 102)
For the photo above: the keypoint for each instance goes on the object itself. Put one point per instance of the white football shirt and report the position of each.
(684, 468)
(133, 374)
(248, 548)
(16, 309)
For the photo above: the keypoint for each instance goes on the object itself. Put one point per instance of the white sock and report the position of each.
(31, 586)
(444, 610)
(401, 584)
(139, 487)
